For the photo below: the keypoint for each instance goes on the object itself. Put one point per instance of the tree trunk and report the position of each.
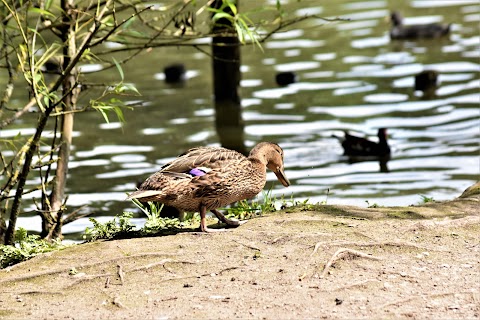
(52, 220)
(226, 78)
(32, 147)
(3, 227)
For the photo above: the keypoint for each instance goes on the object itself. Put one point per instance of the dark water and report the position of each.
(351, 76)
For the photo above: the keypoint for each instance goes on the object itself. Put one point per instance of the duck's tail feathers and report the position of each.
(143, 194)
(340, 138)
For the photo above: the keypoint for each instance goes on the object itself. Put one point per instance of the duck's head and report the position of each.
(382, 133)
(272, 155)
(396, 18)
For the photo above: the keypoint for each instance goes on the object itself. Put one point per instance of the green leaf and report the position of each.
(41, 12)
(241, 36)
(48, 4)
(37, 78)
(105, 115)
(232, 7)
(124, 87)
(221, 15)
(46, 101)
(119, 68)
(119, 113)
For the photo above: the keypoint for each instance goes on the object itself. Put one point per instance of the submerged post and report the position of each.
(226, 78)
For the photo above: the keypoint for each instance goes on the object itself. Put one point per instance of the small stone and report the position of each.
(338, 301)
(403, 274)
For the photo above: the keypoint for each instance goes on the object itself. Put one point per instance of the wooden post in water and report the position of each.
(226, 78)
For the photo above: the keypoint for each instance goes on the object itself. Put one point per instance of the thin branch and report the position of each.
(75, 215)
(27, 107)
(342, 253)
(287, 23)
(105, 37)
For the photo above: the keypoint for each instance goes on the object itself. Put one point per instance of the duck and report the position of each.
(426, 80)
(207, 178)
(174, 73)
(432, 30)
(361, 147)
(285, 78)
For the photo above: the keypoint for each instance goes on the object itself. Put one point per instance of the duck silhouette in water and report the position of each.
(361, 147)
(431, 30)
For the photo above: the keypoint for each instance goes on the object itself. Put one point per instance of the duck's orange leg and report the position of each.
(203, 219)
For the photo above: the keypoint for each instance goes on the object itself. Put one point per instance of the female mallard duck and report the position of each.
(432, 30)
(207, 178)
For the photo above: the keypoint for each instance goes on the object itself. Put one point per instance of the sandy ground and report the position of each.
(340, 262)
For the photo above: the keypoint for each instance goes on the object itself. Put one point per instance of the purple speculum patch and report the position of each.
(196, 172)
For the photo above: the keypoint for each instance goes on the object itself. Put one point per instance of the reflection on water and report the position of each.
(350, 77)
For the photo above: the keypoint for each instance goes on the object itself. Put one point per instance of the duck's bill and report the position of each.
(282, 177)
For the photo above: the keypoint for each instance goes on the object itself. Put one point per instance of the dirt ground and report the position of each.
(419, 262)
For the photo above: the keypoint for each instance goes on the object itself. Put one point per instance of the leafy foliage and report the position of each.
(425, 199)
(105, 106)
(155, 222)
(110, 229)
(121, 226)
(241, 22)
(371, 205)
(247, 210)
(26, 247)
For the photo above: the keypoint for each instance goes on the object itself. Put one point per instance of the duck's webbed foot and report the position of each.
(228, 222)
(221, 217)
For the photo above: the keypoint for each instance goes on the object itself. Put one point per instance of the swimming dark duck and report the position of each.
(432, 30)
(357, 146)
(207, 178)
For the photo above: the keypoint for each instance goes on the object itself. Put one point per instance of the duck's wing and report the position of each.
(210, 157)
(433, 30)
(355, 145)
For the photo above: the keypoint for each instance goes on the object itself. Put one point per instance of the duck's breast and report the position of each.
(230, 184)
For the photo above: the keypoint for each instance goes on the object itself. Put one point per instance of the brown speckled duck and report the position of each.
(431, 30)
(207, 178)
